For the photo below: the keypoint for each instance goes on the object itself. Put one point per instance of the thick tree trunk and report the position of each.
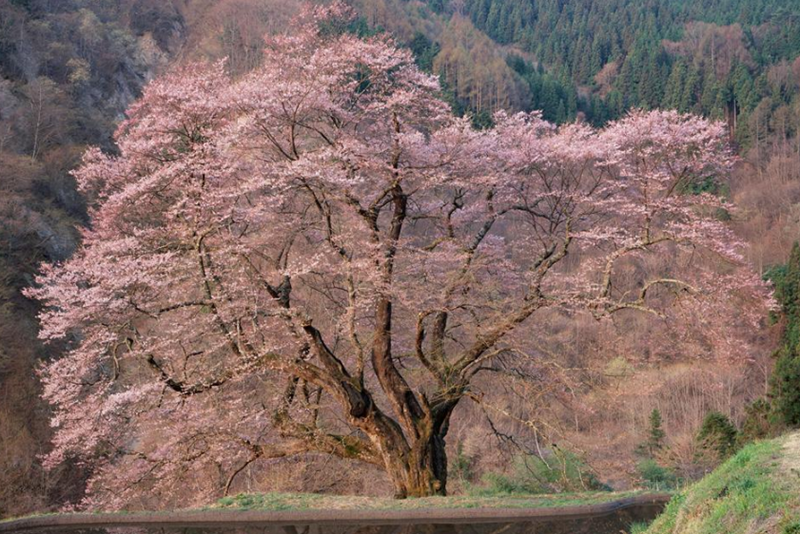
(422, 472)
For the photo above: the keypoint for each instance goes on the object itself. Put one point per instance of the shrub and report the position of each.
(717, 436)
(562, 472)
(619, 368)
(757, 424)
(657, 477)
(499, 484)
(461, 465)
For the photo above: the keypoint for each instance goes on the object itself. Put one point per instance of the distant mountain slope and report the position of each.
(68, 70)
(711, 57)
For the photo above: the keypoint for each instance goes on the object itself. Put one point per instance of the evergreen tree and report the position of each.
(757, 423)
(437, 5)
(673, 93)
(561, 113)
(717, 436)
(627, 84)
(598, 111)
(548, 100)
(493, 22)
(785, 387)
(615, 104)
(692, 89)
(744, 90)
(596, 60)
(651, 85)
(655, 434)
(424, 51)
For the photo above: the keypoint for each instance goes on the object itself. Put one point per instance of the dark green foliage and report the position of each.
(556, 97)
(717, 436)
(577, 39)
(438, 6)
(482, 120)
(708, 184)
(586, 34)
(655, 434)
(357, 26)
(655, 476)
(424, 51)
(24, 4)
(757, 424)
(785, 386)
(561, 472)
(787, 291)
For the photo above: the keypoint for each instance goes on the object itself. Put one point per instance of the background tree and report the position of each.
(785, 390)
(655, 434)
(716, 439)
(757, 423)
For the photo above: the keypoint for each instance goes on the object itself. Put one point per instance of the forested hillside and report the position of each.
(70, 68)
(720, 58)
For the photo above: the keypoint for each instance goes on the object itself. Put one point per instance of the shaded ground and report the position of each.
(597, 518)
(314, 501)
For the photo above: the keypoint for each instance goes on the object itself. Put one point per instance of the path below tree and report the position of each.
(623, 511)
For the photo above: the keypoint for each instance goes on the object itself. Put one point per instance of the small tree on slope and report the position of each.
(655, 433)
(320, 258)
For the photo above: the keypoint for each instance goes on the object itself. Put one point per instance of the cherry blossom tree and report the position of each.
(319, 257)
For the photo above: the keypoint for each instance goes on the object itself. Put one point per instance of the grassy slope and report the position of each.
(310, 501)
(756, 491)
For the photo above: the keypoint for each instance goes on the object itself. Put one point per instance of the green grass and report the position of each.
(310, 501)
(639, 528)
(531, 475)
(749, 493)
(42, 514)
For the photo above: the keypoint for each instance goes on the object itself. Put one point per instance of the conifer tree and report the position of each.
(656, 434)
(692, 89)
(786, 377)
(674, 90)
(717, 437)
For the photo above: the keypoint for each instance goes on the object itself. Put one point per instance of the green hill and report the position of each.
(756, 491)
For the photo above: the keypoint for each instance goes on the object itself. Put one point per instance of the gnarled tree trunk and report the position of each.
(421, 471)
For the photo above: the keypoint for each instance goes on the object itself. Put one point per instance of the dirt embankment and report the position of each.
(791, 457)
